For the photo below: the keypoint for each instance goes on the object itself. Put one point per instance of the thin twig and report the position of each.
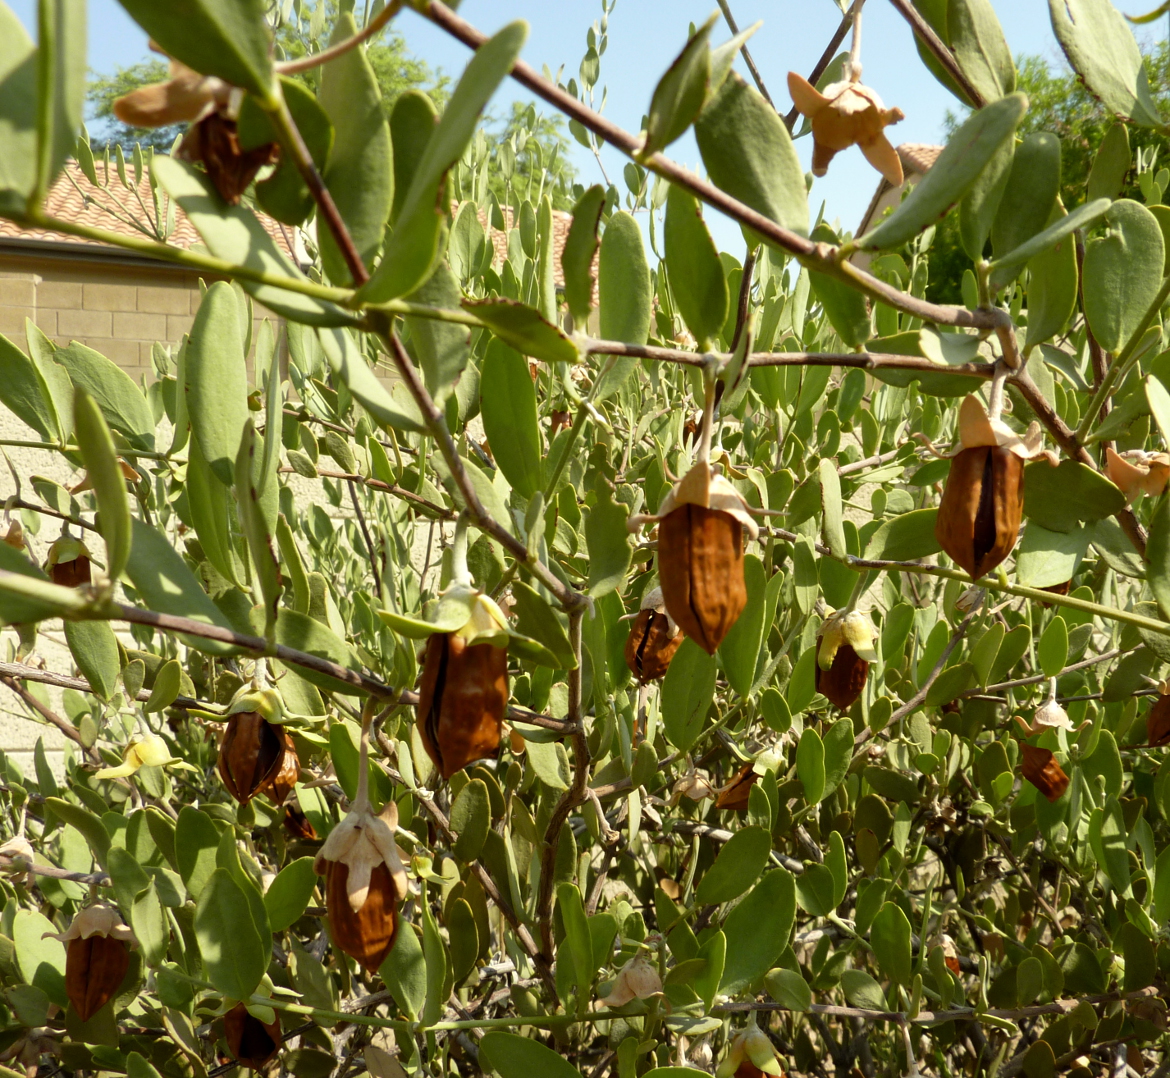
(940, 51)
(747, 56)
(64, 725)
(370, 553)
(822, 64)
(375, 26)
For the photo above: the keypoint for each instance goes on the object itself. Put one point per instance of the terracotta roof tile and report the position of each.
(73, 198)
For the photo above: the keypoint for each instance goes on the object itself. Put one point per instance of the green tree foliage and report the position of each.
(469, 674)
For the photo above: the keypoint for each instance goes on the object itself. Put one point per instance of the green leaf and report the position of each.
(235, 234)
(1103, 52)
(968, 152)
(814, 890)
(304, 633)
(838, 743)
(524, 329)
(1141, 965)
(1108, 835)
(26, 595)
(508, 403)
(405, 972)
(1158, 555)
(234, 954)
(196, 842)
(847, 309)
(906, 537)
(1122, 273)
(442, 347)
(471, 816)
(579, 251)
(889, 937)
(697, 280)
(1031, 192)
(412, 123)
(741, 646)
(1110, 164)
(513, 1056)
(687, 692)
(413, 246)
(749, 154)
(1004, 270)
(979, 46)
(23, 388)
(680, 93)
(831, 504)
(18, 90)
(1158, 398)
(121, 402)
(148, 919)
(608, 541)
(789, 989)
(217, 384)
(360, 173)
(1056, 498)
(438, 967)
(255, 527)
(624, 299)
(536, 619)
(90, 827)
(1052, 647)
(95, 650)
(101, 464)
(737, 866)
(980, 204)
(165, 584)
(1052, 285)
(861, 990)
(289, 893)
(810, 765)
(1046, 558)
(41, 961)
(228, 38)
(758, 930)
(578, 938)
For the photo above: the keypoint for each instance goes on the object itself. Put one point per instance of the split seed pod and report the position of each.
(252, 754)
(653, 640)
(364, 882)
(1042, 771)
(1138, 473)
(1158, 720)
(97, 957)
(700, 554)
(983, 502)
(737, 793)
(844, 653)
(68, 563)
(251, 1042)
(848, 114)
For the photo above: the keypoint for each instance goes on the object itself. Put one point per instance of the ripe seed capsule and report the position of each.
(252, 753)
(250, 1041)
(97, 957)
(653, 640)
(461, 701)
(1042, 771)
(843, 681)
(982, 505)
(367, 934)
(68, 563)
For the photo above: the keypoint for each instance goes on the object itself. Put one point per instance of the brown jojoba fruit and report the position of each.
(982, 505)
(367, 934)
(251, 1042)
(651, 645)
(94, 970)
(1158, 722)
(735, 795)
(843, 682)
(1042, 771)
(252, 753)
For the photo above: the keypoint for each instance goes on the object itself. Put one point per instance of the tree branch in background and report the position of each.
(823, 63)
(939, 50)
(725, 7)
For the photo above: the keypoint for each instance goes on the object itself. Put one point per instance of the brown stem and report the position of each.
(939, 49)
(376, 484)
(1036, 679)
(575, 795)
(480, 517)
(370, 551)
(64, 725)
(294, 144)
(745, 296)
(77, 522)
(90, 879)
(820, 256)
(376, 24)
(823, 63)
(747, 56)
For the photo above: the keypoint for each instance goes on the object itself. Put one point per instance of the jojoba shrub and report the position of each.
(590, 653)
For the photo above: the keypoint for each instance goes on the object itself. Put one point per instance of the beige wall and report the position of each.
(119, 310)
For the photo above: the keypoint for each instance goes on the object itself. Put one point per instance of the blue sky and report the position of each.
(645, 35)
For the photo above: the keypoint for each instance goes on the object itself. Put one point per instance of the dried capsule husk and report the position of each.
(95, 967)
(215, 142)
(651, 645)
(736, 794)
(843, 681)
(1042, 771)
(982, 505)
(285, 779)
(700, 567)
(366, 934)
(251, 1042)
(297, 824)
(461, 701)
(251, 754)
(1158, 722)
(68, 563)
